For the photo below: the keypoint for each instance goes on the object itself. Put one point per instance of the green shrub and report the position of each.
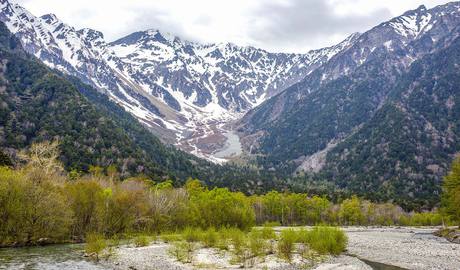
(209, 237)
(141, 241)
(192, 234)
(95, 244)
(266, 233)
(223, 239)
(170, 237)
(425, 219)
(257, 243)
(237, 239)
(286, 244)
(325, 240)
(182, 251)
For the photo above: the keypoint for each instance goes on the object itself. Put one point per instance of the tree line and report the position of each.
(40, 202)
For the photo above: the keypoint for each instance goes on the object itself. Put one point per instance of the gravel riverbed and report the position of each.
(409, 248)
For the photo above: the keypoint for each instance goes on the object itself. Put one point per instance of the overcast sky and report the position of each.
(275, 25)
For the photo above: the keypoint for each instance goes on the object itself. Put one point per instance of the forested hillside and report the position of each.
(381, 116)
(39, 104)
(406, 148)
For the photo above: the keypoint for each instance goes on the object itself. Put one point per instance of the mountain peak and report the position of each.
(421, 7)
(50, 18)
(145, 36)
(91, 34)
(161, 36)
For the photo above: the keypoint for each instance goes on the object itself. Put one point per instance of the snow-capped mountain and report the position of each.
(184, 92)
(341, 96)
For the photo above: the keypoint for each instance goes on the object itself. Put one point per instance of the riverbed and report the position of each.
(388, 248)
(409, 248)
(232, 146)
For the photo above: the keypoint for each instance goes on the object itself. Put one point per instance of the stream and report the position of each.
(53, 257)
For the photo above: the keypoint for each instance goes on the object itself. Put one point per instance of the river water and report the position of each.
(53, 257)
(232, 146)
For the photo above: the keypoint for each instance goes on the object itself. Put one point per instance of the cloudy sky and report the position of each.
(275, 25)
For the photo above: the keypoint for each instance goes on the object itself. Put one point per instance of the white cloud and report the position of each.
(276, 25)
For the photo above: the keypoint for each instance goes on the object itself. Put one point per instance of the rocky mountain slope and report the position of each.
(38, 103)
(378, 116)
(184, 92)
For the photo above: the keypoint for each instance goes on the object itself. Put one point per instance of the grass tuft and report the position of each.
(95, 244)
(325, 240)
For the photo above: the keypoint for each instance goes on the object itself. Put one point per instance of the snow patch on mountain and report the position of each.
(183, 91)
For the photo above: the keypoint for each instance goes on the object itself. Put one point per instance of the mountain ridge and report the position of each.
(185, 92)
(310, 128)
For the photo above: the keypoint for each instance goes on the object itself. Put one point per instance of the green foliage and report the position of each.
(237, 239)
(425, 219)
(220, 207)
(325, 240)
(95, 244)
(266, 232)
(141, 241)
(192, 234)
(350, 212)
(451, 192)
(286, 244)
(39, 202)
(182, 251)
(31, 208)
(169, 238)
(86, 202)
(246, 248)
(210, 237)
(257, 242)
(275, 209)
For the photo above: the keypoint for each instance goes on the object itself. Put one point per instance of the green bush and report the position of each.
(192, 234)
(141, 241)
(95, 244)
(171, 237)
(451, 193)
(220, 207)
(182, 251)
(286, 243)
(237, 239)
(425, 219)
(209, 237)
(257, 243)
(266, 233)
(325, 240)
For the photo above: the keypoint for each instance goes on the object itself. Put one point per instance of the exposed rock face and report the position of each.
(183, 91)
